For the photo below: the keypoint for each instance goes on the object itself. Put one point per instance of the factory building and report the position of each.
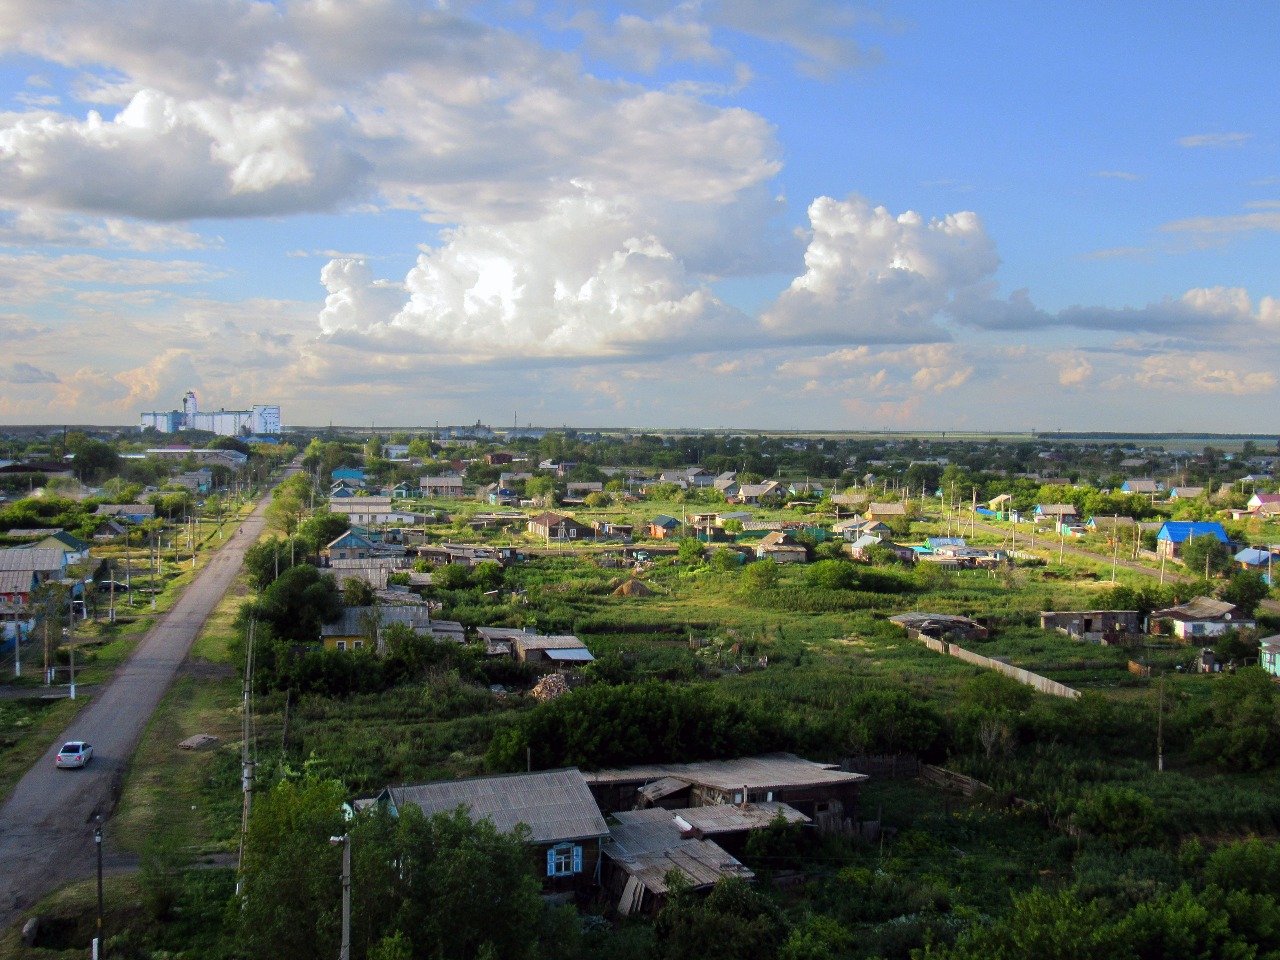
(257, 421)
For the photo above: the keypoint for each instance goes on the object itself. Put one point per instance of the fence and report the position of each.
(1043, 684)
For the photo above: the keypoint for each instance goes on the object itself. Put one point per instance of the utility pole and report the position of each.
(99, 942)
(345, 952)
(1160, 729)
(71, 639)
(246, 761)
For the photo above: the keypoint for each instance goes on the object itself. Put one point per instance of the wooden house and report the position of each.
(823, 793)
(1096, 626)
(566, 828)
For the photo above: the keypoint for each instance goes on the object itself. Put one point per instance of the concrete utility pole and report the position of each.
(344, 953)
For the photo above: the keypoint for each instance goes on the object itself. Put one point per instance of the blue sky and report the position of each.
(809, 215)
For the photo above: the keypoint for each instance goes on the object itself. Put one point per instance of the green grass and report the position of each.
(194, 791)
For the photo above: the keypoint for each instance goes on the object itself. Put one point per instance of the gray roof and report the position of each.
(648, 843)
(15, 581)
(772, 770)
(33, 558)
(1201, 608)
(731, 817)
(349, 624)
(555, 804)
(535, 642)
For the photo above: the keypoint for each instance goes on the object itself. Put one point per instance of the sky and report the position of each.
(809, 215)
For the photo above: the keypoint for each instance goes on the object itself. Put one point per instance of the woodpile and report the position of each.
(549, 687)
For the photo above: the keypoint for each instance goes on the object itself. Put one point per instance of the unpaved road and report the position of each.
(46, 825)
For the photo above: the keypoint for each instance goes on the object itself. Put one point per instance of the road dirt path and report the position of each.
(46, 824)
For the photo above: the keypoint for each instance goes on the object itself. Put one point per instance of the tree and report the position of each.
(297, 603)
(284, 513)
(268, 558)
(1119, 815)
(322, 528)
(290, 904)
(358, 592)
(832, 575)
(1246, 589)
(1244, 733)
(95, 461)
(690, 551)
(1205, 553)
(761, 575)
(892, 721)
(451, 576)
(453, 888)
(731, 922)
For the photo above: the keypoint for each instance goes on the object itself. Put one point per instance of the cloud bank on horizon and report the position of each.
(726, 213)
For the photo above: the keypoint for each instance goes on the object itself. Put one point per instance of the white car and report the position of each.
(74, 753)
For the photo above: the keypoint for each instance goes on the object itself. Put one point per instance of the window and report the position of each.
(357, 645)
(342, 644)
(563, 860)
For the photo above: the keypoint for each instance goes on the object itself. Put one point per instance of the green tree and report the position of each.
(454, 889)
(1244, 733)
(1205, 553)
(832, 575)
(322, 528)
(95, 461)
(761, 575)
(290, 904)
(731, 922)
(891, 722)
(297, 603)
(451, 576)
(1246, 589)
(284, 513)
(1119, 815)
(690, 551)
(358, 592)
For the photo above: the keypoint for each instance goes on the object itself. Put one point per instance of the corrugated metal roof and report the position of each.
(732, 817)
(555, 804)
(647, 844)
(773, 770)
(32, 558)
(533, 642)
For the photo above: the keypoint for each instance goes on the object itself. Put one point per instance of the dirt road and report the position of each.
(46, 825)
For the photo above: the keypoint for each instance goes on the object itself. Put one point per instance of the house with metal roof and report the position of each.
(822, 792)
(1175, 534)
(565, 825)
(644, 846)
(1258, 560)
(1203, 617)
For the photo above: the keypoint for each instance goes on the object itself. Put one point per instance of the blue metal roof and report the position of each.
(1179, 531)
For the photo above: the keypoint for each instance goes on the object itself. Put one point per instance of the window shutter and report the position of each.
(551, 862)
(577, 859)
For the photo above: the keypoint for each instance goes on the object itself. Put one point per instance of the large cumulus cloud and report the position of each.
(872, 277)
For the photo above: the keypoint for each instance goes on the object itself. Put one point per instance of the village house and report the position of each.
(1202, 617)
(349, 546)
(759, 492)
(372, 570)
(884, 512)
(1175, 534)
(127, 512)
(819, 791)
(1269, 654)
(566, 829)
(445, 486)
(645, 846)
(1257, 560)
(781, 548)
(558, 527)
(663, 527)
(362, 627)
(1096, 626)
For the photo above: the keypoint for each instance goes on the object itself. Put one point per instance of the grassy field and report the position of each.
(190, 795)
